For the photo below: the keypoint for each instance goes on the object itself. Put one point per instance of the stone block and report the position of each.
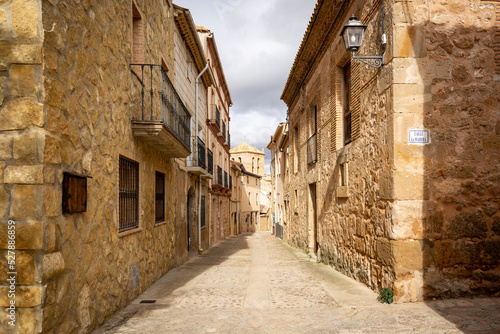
(386, 186)
(21, 113)
(29, 319)
(24, 203)
(53, 265)
(22, 80)
(26, 296)
(343, 192)
(408, 218)
(408, 41)
(20, 53)
(411, 158)
(25, 148)
(28, 235)
(52, 151)
(3, 81)
(409, 186)
(50, 236)
(24, 174)
(55, 95)
(411, 98)
(468, 225)
(421, 71)
(25, 267)
(4, 201)
(384, 252)
(25, 20)
(51, 201)
(408, 254)
(5, 147)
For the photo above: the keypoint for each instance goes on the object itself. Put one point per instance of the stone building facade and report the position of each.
(421, 217)
(218, 142)
(278, 146)
(96, 123)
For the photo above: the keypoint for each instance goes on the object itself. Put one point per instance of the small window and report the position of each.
(248, 180)
(129, 195)
(74, 197)
(250, 198)
(256, 182)
(137, 40)
(160, 197)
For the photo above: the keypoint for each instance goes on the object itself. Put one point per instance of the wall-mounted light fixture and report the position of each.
(352, 33)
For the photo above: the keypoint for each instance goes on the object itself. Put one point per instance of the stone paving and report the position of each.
(255, 283)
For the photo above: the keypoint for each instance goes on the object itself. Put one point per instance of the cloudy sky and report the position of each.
(257, 42)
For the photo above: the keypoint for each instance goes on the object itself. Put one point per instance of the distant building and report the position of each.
(280, 175)
(247, 206)
(251, 157)
(394, 171)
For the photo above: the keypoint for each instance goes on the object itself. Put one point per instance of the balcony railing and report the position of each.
(219, 176)
(210, 162)
(215, 116)
(312, 155)
(161, 107)
(201, 154)
(226, 185)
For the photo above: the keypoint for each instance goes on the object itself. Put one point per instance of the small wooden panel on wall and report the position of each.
(74, 197)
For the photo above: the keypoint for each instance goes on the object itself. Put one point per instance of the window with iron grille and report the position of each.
(129, 195)
(347, 104)
(160, 197)
(202, 213)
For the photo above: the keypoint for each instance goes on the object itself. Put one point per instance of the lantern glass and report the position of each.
(352, 33)
(353, 37)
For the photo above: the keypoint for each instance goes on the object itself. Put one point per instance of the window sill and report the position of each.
(123, 234)
(343, 192)
(160, 223)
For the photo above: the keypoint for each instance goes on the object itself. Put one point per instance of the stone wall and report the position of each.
(68, 110)
(24, 149)
(446, 80)
(422, 219)
(352, 218)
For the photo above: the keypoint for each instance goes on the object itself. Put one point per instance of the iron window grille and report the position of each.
(129, 195)
(203, 223)
(219, 176)
(224, 129)
(159, 197)
(201, 153)
(225, 180)
(210, 162)
(230, 182)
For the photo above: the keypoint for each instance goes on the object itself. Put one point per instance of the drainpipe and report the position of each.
(196, 143)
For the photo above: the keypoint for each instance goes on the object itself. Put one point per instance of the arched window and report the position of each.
(258, 165)
(239, 160)
(253, 164)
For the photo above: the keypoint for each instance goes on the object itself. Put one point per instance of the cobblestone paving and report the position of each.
(255, 283)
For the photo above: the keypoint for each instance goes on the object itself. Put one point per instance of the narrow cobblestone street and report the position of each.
(255, 283)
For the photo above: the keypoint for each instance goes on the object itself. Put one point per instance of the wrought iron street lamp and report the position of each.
(352, 33)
